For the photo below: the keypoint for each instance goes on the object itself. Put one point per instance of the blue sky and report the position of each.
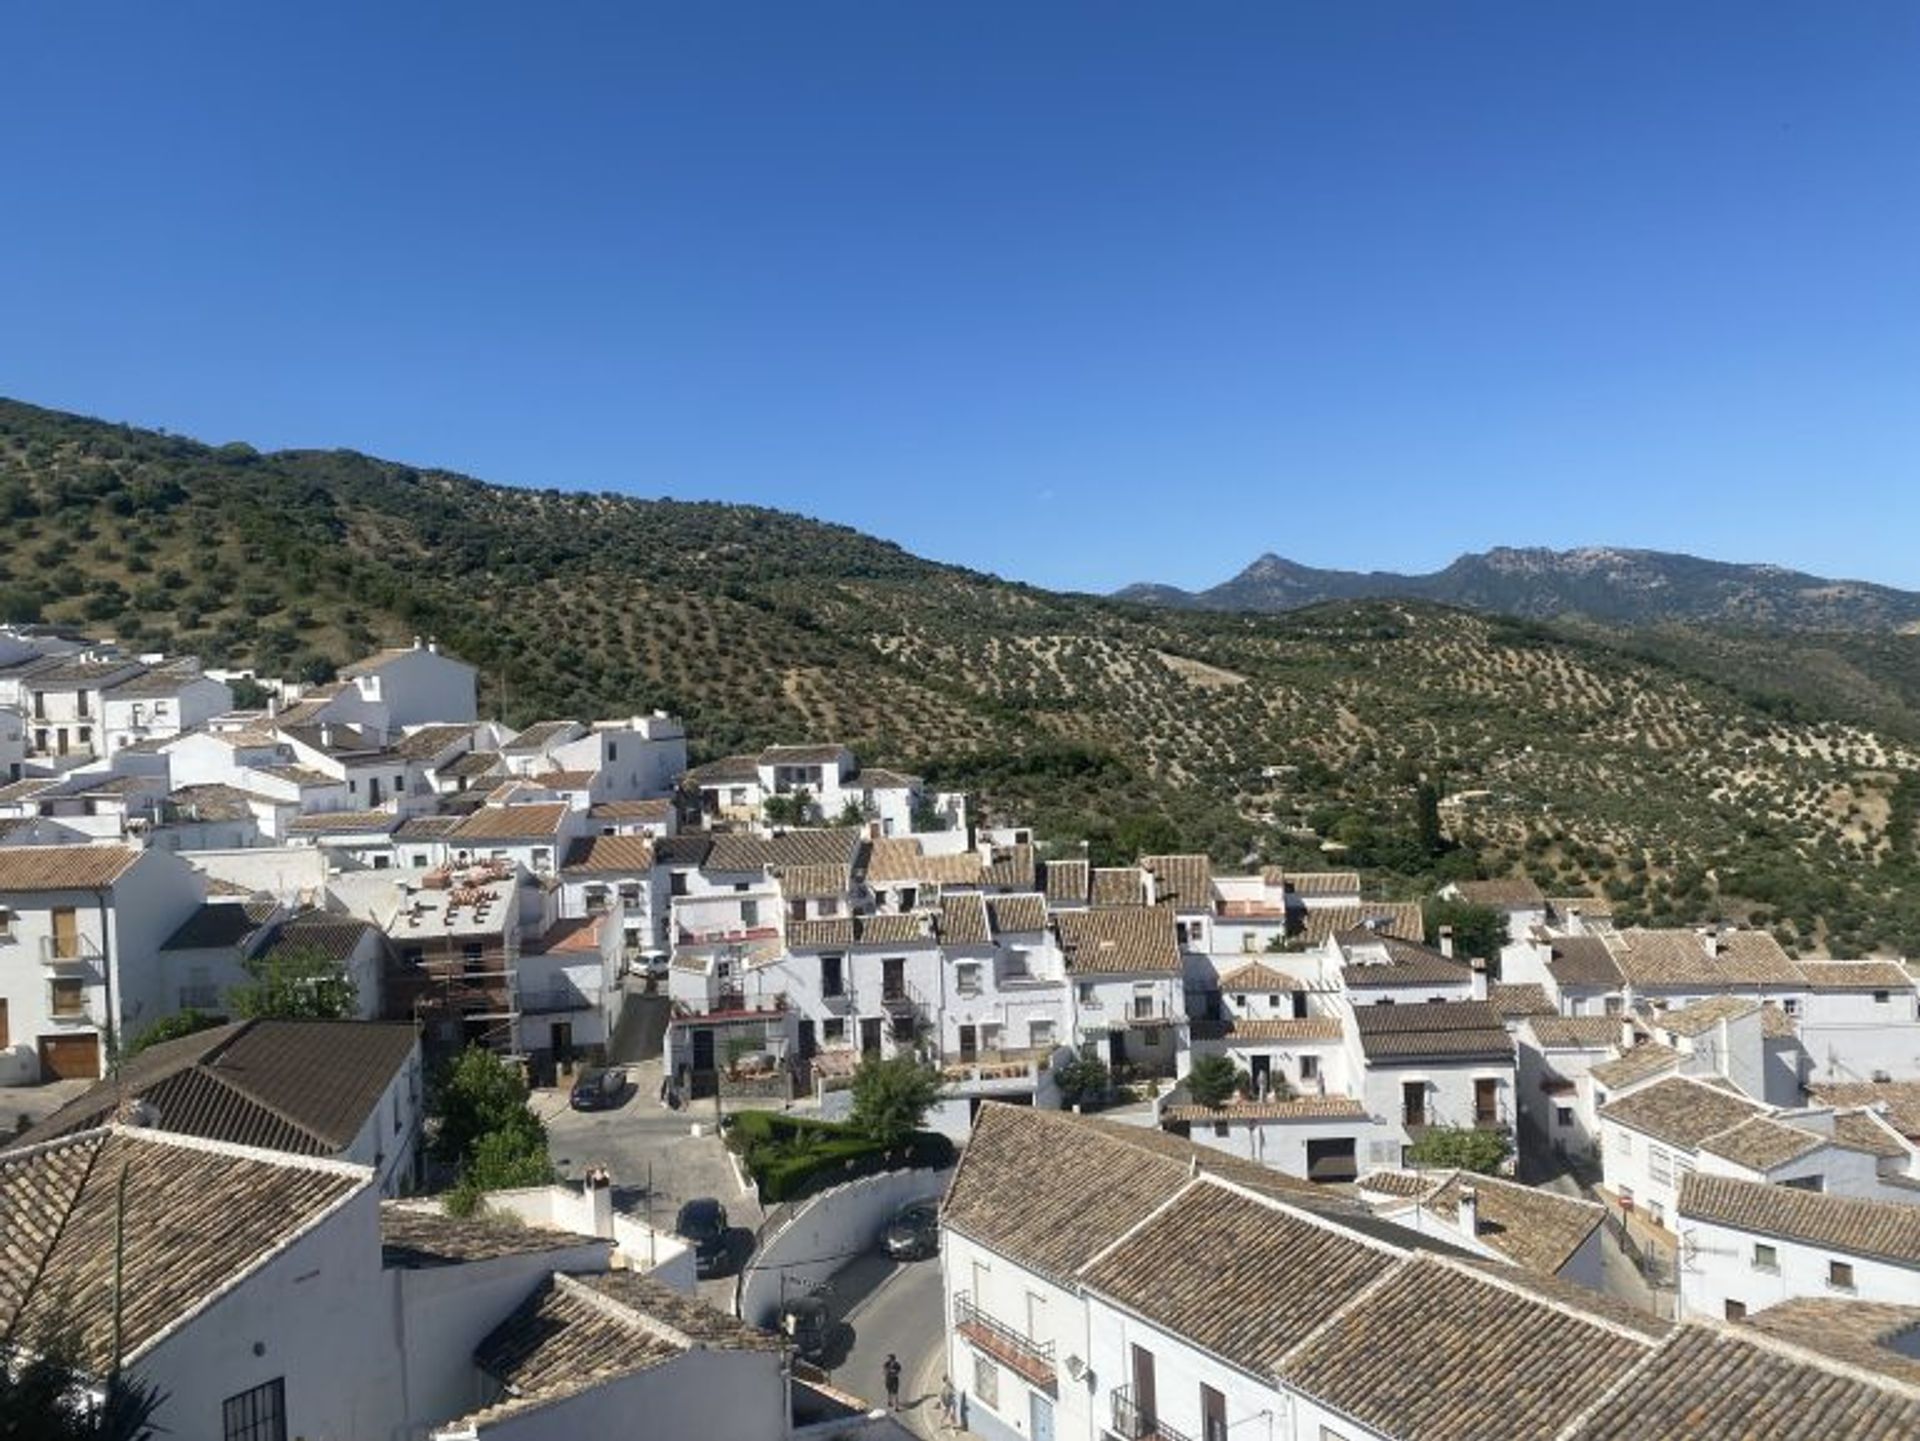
(1078, 294)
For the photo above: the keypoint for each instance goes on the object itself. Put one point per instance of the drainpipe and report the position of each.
(106, 964)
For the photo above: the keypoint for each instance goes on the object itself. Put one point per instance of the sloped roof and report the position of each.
(1681, 1111)
(60, 868)
(1134, 939)
(217, 925)
(305, 1087)
(1066, 882)
(1576, 1033)
(1119, 886)
(1248, 1029)
(1855, 976)
(1636, 1063)
(330, 823)
(333, 935)
(1507, 893)
(1514, 1000)
(1258, 976)
(610, 855)
(815, 882)
(1900, 1098)
(1582, 961)
(1860, 1333)
(197, 1219)
(1853, 1225)
(1763, 1143)
(1010, 868)
(506, 823)
(1183, 882)
(1532, 1227)
(1698, 1019)
(1452, 1030)
(418, 1235)
(1401, 919)
(962, 921)
(1688, 958)
(1017, 914)
(1408, 963)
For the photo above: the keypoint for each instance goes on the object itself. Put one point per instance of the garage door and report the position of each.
(70, 1058)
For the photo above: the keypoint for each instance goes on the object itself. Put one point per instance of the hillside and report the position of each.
(1619, 587)
(1131, 727)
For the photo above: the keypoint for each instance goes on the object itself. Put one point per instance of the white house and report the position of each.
(1858, 1021)
(1430, 1065)
(81, 932)
(1650, 1139)
(416, 684)
(167, 700)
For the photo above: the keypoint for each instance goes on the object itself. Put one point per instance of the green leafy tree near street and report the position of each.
(481, 1125)
(294, 983)
(1083, 1079)
(41, 1391)
(1478, 931)
(1464, 1147)
(892, 1097)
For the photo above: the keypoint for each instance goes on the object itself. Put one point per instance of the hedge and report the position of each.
(792, 1156)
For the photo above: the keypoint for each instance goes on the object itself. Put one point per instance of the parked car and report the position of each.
(914, 1232)
(703, 1221)
(806, 1321)
(597, 1089)
(654, 964)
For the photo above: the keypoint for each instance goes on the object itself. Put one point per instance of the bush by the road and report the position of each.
(793, 1156)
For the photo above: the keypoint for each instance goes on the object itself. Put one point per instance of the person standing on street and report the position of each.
(891, 1370)
(949, 1414)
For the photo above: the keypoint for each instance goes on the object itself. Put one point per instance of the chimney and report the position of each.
(1446, 940)
(1469, 1217)
(600, 1200)
(1479, 969)
(1710, 940)
(326, 736)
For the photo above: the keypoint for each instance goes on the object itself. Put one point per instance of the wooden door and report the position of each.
(66, 933)
(70, 1058)
(1143, 1395)
(893, 978)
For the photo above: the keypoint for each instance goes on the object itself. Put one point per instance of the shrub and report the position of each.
(1213, 1080)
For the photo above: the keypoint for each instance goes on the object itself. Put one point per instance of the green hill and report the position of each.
(1605, 758)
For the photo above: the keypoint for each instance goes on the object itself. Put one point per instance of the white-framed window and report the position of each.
(990, 1036)
(1563, 1115)
(1660, 1164)
(1765, 1257)
(1840, 1275)
(1040, 1033)
(1089, 995)
(986, 1381)
(966, 978)
(1309, 1068)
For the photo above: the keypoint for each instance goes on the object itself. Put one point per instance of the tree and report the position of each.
(1426, 810)
(788, 810)
(1084, 1078)
(50, 1396)
(477, 1094)
(852, 813)
(1213, 1080)
(294, 983)
(892, 1097)
(1477, 930)
(1465, 1148)
(248, 693)
(172, 1028)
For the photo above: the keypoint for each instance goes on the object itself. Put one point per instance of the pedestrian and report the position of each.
(891, 1370)
(949, 1415)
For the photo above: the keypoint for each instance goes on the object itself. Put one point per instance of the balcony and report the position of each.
(1137, 1423)
(68, 951)
(1032, 1360)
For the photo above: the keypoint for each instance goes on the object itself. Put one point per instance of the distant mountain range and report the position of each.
(1616, 587)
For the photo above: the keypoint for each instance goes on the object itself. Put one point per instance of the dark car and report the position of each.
(806, 1322)
(914, 1232)
(598, 1090)
(704, 1223)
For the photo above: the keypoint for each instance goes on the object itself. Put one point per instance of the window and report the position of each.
(1220, 1128)
(990, 1037)
(1880, 998)
(1240, 1002)
(1213, 1414)
(829, 907)
(833, 1030)
(6, 1038)
(471, 952)
(749, 914)
(1273, 1001)
(613, 751)
(256, 1415)
(1765, 1258)
(1089, 997)
(1736, 1310)
(6, 924)
(677, 883)
(68, 998)
(1840, 1275)
(1150, 1036)
(966, 978)
(832, 977)
(986, 1381)
(1660, 1164)
(1309, 1068)
(542, 858)
(1563, 1115)
(1040, 1033)
(1791, 1005)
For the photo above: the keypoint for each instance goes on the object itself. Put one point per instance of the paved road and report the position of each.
(32, 1104)
(643, 1141)
(894, 1306)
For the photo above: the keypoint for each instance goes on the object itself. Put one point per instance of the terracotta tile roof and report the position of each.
(378, 661)
(743, 854)
(1508, 893)
(1680, 1111)
(540, 735)
(1762, 1143)
(610, 855)
(839, 932)
(1300, 1108)
(22, 790)
(429, 741)
(1582, 961)
(1119, 886)
(1066, 882)
(1408, 963)
(1595, 907)
(1234, 1276)
(1637, 1063)
(1575, 1033)
(831, 933)
(879, 778)
(473, 763)
(1011, 868)
(1681, 958)
(1714, 1381)
(812, 883)
(427, 828)
(198, 1217)
(891, 859)
(56, 868)
(727, 771)
(558, 780)
(1183, 882)
(418, 1235)
(335, 936)
(1259, 976)
(963, 921)
(1854, 1225)
(1132, 940)
(1017, 914)
(1450, 1029)
(1856, 976)
(1901, 1100)
(218, 925)
(1315, 883)
(305, 1087)
(802, 755)
(328, 823)
(646, 811)
(1441, 1351)
(1698, 1019)
(1865, 1131)
(1860, 1333)
(1104, 1178)
(1776, 1024)
(1246, 1029)
(505, 823)
(1401, 919)
(1515, 1001)
(216, 802)
(1533, 1228)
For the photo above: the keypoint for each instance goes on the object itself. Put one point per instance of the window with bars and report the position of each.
(257, 1415)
